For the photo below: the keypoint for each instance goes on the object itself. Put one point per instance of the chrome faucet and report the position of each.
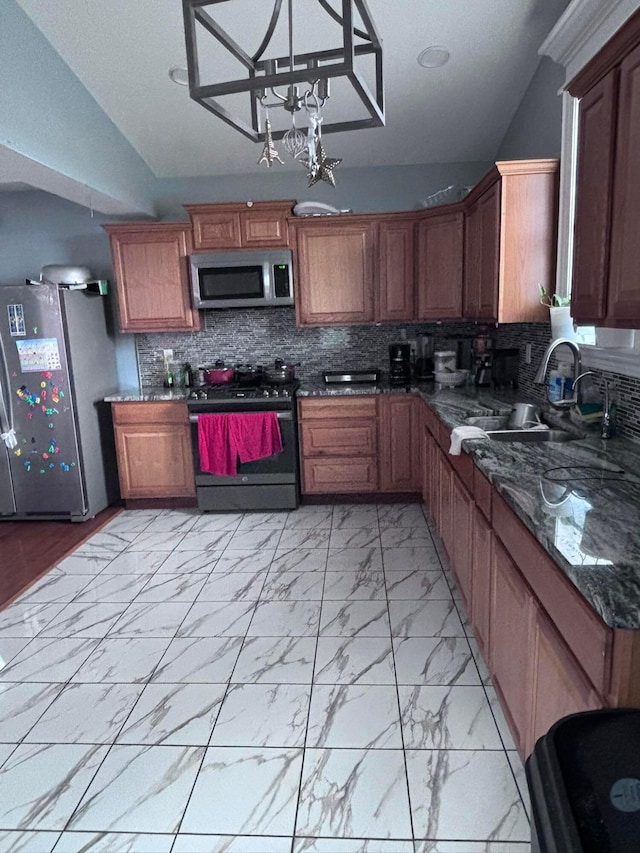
(563, 405)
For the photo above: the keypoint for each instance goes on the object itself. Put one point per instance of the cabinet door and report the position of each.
(489, 261)
(593, 200)
(623, 308)
(400, 468)
(339, 476)
(152, 282)
(339, 438)
(431, 477)
(482, 539)
(263, 228)
(445, 525)
(217, 230)
(396, 276)
(334, 284)
(559, 687)
(154, 460)
(440, 251)
(482, 257)
(461, 538)
(510, 642)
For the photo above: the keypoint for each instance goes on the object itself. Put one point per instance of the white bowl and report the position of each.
(452, 379)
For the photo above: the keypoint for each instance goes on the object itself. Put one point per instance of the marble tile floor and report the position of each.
(268, 682)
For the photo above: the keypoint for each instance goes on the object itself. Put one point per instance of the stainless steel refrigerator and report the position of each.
(57, 363)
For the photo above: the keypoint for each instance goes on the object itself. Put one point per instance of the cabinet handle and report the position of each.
(282, 416)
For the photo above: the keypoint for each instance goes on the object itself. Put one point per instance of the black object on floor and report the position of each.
(584, 782)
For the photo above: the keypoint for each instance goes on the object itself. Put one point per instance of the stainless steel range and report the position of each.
(266, 484)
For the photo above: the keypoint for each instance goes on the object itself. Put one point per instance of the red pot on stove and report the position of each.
(219, 374)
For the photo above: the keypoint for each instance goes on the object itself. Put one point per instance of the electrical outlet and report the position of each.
(167, 354)
(527, 354)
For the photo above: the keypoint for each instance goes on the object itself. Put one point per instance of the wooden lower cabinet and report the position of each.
(482, 554)
(339, 445)
(462, 509)
(559, 685)
(153, 445)
(548, 652)
(510, 644)
(399, 423)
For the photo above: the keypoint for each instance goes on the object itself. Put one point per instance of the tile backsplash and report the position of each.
(259, 336)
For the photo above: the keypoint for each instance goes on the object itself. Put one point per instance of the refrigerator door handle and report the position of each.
(6, 407)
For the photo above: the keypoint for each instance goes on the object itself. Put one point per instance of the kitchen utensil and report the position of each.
(248, 374)
(280, 373)
(399, 364)
(423, 368)
(524, 415)
(219, 374)
(452, 378)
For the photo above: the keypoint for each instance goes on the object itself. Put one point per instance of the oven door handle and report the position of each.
(282, 416)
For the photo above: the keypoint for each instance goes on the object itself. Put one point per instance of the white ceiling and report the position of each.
(121, 50)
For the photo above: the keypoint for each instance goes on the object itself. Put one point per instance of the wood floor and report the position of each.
(28, 549)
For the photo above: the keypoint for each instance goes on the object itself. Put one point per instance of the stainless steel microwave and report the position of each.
(249, 279)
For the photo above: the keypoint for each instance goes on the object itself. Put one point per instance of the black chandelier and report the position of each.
(295, 82)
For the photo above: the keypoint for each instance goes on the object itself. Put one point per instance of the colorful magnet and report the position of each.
(43, 384)
(51, 465)
(18, 451)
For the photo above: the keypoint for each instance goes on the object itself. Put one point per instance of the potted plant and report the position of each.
(559, 313)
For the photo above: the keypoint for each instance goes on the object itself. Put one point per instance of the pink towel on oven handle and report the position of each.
(257, 435)
(216, 445)
(224, 438)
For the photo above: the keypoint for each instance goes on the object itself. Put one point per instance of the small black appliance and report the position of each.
(400, 364)
(423, 369)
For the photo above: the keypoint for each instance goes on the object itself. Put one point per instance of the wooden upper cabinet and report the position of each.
(335, 267)
(596, 138)
(237, 226)
(623, 298)
(152, 281)
(512, 242)
(482, 256)
(440, 265)
(396, 271)
(605, 288)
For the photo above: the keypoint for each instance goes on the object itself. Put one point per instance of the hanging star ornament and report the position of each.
(321, 167)
(269, 152)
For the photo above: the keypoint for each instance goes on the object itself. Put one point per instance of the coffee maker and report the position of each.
(482, 358)
(400, 364)
(423, 369)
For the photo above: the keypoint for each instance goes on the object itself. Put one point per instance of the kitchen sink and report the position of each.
(531, 435)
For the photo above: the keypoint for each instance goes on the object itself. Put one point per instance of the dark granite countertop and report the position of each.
(148, 395)
(580, 499)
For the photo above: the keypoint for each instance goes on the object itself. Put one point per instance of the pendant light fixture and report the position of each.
(295, 82)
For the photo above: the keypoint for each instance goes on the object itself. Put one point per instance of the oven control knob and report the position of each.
(274, 392)
(285, 392)
(265, 392)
